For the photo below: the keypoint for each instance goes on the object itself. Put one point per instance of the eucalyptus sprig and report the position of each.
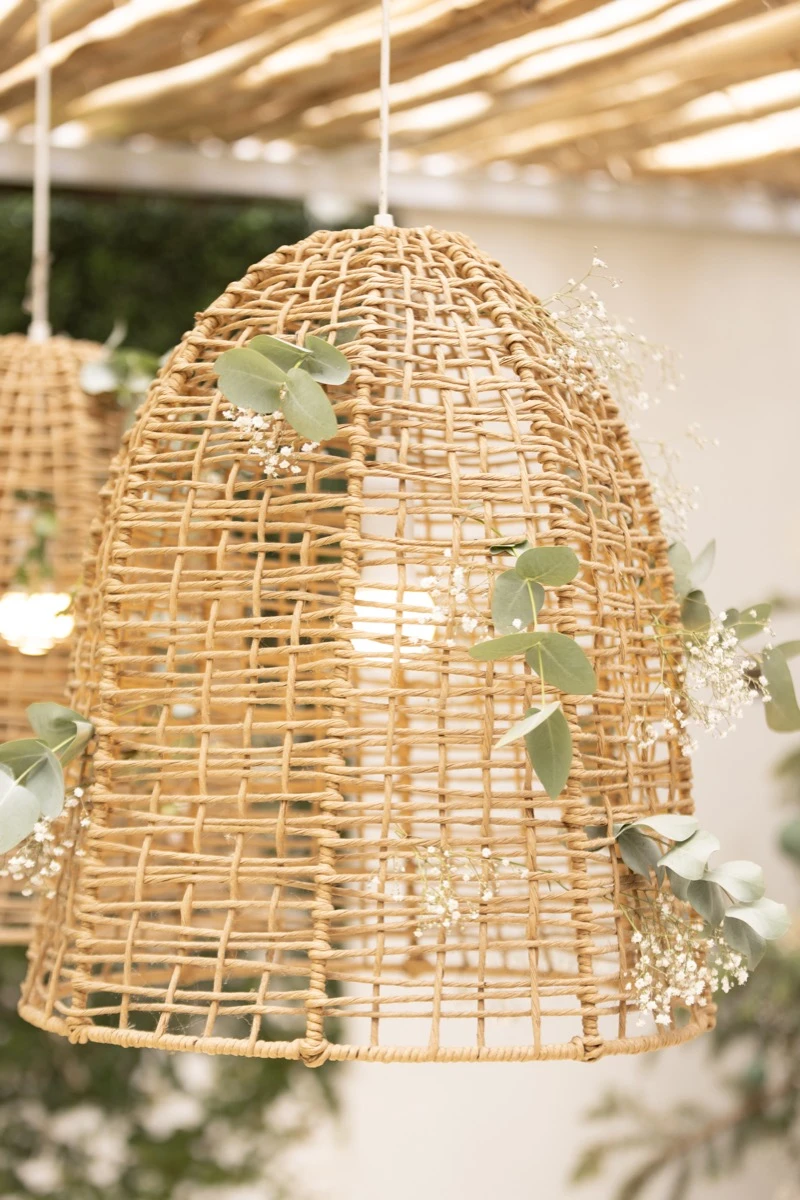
(270, 375)
(557, 660)
(768, 668)
(729, 898)
(32, 770)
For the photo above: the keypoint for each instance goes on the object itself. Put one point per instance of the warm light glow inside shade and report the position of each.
(377, 613)
(33, 622)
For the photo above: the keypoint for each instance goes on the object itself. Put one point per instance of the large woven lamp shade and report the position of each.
(293, 741)
(55, 446)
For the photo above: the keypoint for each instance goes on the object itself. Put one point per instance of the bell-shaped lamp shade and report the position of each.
(303, 839)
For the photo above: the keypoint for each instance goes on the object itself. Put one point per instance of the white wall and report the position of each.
(729, 306)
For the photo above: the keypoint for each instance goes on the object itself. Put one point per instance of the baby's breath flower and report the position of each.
(453, 607)
(271, 440)
(676, 963)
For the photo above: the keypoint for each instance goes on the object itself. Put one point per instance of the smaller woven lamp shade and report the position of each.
(55, 447)
(286, 742)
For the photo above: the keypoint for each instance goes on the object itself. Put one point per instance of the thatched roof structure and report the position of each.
(632, 87)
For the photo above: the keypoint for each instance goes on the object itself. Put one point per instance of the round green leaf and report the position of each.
(695, 613)
(560, 661)
(708, 899)
(765, 916)
(678, 885)
(281, 354)
(681, 562)
(19, 812)
(675, 826)
(703, 564)
(510, 547)
(549, 748)
(35, 765)
(742, 880)
(639, 852)
(512, 607)
(689, 858)
(326, 364)
(503, 647)
(249, 380)
(782, 712)
(54, 725)
(749, 622)
(790, 839)
(534, 717)
(307, 408)
(551, 566)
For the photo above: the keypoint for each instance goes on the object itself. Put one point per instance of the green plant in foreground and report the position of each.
(270, 375)
(32, 770)
(556, 659)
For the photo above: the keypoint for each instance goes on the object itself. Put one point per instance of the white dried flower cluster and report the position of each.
(36, 864)
(676, 964)
(604, 353)
(452, 883)
(453, 607)
(719, 682)
(272, 440)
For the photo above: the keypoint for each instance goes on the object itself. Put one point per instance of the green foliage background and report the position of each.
(152, 261)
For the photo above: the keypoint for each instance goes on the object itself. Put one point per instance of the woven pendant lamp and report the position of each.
(293, 741)
(55, 446)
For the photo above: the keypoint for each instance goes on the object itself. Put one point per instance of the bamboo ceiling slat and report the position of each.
(635, 87)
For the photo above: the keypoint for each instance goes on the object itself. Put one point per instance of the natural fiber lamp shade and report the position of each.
(291, 748)
(55, 447)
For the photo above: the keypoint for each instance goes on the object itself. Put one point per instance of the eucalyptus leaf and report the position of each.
(708, 899)
(283, 355)
(782, 712)
(749, 621)
(741, 879)
(560, 661)
(695, 613)
(249, 380)
(35, 765)
(675, 826)
(678, 885)
(703, 565)
(551, 566)
(742, 937)
(19, 812)
(639, 852)
(549, 748)
(747, 928)
(790, 839)
(512, 607)
(689, 858)
(510, 547)
(503, 647)
(307, 408)
(534, 717)
(790, 649)
(55, 725)
(681, 562)
(346, 334)
(325, 363)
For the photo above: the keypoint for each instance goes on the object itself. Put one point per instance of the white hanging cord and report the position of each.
(39, 330)
(384, 217)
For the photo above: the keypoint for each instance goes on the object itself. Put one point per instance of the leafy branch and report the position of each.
(730, 896)
(32, 770)
(271, 375)
(556, 659)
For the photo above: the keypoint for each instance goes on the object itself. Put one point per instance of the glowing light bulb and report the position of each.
(377, 613)
(32, 622)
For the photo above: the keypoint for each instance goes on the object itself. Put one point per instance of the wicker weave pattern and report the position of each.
(270, 766)
(57, 441)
